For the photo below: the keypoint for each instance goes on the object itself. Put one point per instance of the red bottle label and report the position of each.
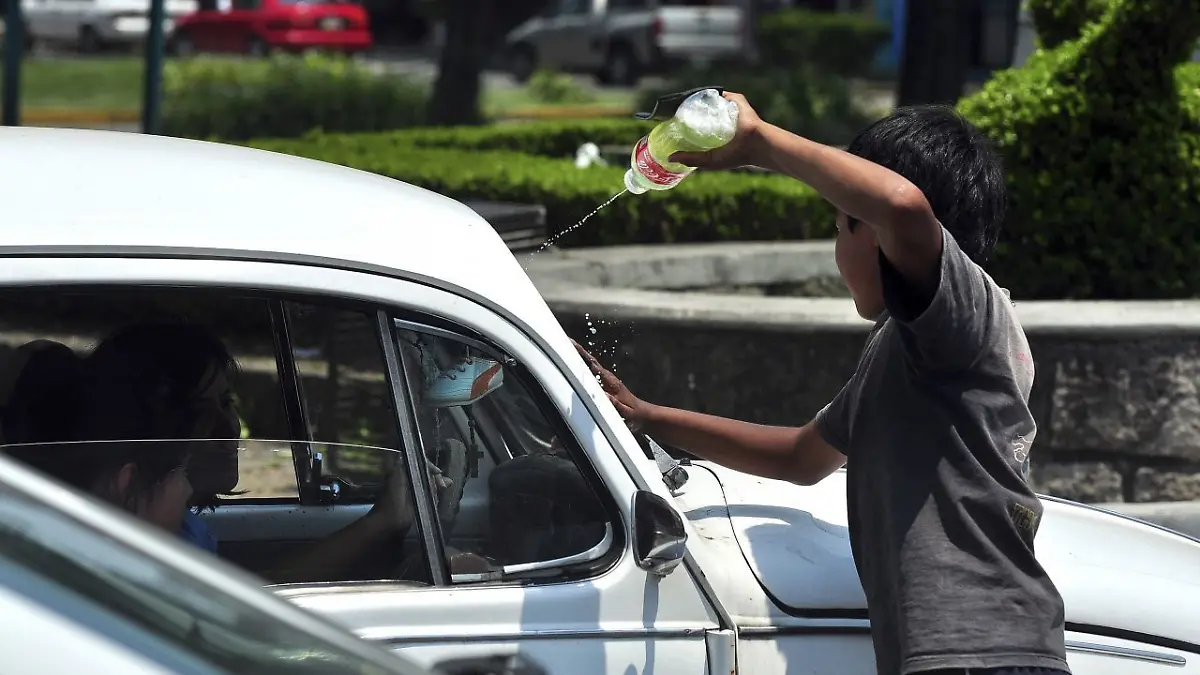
(650, 168)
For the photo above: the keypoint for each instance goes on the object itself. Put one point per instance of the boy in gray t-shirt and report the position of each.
(934, 423)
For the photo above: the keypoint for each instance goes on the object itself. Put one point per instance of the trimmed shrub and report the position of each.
(705, 207)
(833, 42)
(284, 96)
(554, 88)
(547, 139)
(1058, 21)
(1101, 137)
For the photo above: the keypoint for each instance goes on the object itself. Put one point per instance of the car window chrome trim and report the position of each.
(402, 400)
(1126, 653)
(592, 554)
(484, 347)
(401, 641)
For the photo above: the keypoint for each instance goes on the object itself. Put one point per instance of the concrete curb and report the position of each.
(642, 283)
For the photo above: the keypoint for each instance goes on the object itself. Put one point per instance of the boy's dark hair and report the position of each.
(953, 165)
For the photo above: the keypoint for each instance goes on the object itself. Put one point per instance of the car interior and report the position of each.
(322, 427)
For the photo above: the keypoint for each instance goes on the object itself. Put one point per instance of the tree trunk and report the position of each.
(937, 51)
(456, 92)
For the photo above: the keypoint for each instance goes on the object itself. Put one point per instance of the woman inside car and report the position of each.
(152, 414)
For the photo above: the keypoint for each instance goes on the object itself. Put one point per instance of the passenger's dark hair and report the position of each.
(953, 165)
(135, 386)
(142, 382)
(40, 400)
(146, 376)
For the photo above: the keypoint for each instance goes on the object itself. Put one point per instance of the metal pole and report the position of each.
(14, 46)
(152, 92)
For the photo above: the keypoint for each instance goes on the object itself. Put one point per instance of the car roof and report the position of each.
(110, 191)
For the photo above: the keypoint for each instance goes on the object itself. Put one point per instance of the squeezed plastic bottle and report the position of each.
(704, 121)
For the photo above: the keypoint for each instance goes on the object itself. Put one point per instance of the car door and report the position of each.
(519, 536)
(527, 517)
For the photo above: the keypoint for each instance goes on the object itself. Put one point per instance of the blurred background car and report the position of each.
(621, 40)
(258, 27)
(91, 25)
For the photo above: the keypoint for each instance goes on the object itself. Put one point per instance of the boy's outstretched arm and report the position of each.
(796, 454)
(909, 235)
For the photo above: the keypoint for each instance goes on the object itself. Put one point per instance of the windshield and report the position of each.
(196, 616)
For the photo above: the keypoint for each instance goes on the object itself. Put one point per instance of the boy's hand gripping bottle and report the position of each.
(703, 121)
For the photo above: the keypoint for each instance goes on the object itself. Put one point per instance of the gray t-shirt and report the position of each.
(936, 428)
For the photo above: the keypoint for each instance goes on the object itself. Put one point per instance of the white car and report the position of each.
(542, 526)
(85, 588)
(90, 25)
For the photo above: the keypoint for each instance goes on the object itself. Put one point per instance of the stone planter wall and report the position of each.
(1116, 395)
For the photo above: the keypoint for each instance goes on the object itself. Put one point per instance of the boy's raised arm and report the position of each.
(909, 235)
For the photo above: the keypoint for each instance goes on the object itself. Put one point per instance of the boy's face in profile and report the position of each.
(857, 256)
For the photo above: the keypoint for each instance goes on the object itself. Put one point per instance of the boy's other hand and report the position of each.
(634, 410)
(738, 152)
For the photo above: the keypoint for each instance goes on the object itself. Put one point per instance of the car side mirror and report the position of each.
(659, 540)
(513, 664)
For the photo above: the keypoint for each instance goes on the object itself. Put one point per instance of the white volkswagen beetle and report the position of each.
(380, 326)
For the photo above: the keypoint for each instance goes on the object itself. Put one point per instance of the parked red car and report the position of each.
(259, 26)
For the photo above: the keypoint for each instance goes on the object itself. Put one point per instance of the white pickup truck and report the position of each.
(620, 40)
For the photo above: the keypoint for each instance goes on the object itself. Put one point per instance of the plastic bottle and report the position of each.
(704, 121)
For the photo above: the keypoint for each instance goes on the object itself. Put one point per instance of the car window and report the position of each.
(514, 494)
(344, 389)
(196, 617)
(247, 4)
(309, 420)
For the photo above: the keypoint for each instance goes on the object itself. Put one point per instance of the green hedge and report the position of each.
(834, 42)
(705, 207)
(284, 96)
(548, 139)
(1101, 138)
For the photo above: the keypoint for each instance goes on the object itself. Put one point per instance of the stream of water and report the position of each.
(550, 242)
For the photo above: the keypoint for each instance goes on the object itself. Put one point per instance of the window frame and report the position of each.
(587, 564)
(399, 384)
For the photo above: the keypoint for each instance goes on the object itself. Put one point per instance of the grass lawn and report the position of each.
(105, 83)
(500, 102)
(115, 83)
